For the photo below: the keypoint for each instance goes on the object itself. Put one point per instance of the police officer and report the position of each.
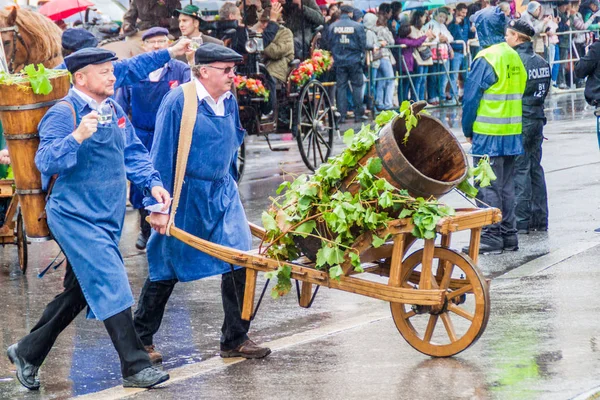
(92, 158)
(531, 207)
(348, 43)
(491, 121)
(141, 101)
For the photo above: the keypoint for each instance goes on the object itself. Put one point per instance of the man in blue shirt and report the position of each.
(141, 100)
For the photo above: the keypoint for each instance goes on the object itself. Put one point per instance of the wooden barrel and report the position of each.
(20, 112)
(431, 163)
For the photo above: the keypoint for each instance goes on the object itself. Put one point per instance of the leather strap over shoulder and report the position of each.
(186, 130)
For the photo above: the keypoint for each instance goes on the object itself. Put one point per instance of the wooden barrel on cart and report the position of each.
(431, 163)
(20, 112)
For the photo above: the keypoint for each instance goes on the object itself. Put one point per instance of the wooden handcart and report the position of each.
(431, 284)
(13, 230)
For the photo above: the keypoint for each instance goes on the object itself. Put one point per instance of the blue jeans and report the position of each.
(385, 89)
(436, 84)
(419, 81)
(456, 65)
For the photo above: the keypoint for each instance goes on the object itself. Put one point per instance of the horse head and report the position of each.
(29, 37)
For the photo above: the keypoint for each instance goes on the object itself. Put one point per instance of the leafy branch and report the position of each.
(30, 77)
(482, 175)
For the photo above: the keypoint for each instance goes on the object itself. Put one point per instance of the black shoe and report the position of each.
(362, 118)
(26, 372)
(141, 242)
(511, 243)
(488, 245)
(540, 228)
(146, 378)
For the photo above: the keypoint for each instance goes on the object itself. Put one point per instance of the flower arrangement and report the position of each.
(314, 67)
(252, 85)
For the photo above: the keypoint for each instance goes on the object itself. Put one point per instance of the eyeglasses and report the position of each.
(225, 70)
(153, 42)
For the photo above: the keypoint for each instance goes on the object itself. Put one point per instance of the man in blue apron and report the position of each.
(93, 153)
(141, 101)
(210, 205)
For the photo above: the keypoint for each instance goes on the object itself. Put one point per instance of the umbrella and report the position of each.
(61, 9)
(431, 4)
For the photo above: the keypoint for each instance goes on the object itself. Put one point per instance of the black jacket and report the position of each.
(347, 42)
(589, 67)
(538, 81)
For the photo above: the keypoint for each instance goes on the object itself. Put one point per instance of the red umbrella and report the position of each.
(61, 9)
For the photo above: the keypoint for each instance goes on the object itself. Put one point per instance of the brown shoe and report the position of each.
(155, 356)
(248, 349)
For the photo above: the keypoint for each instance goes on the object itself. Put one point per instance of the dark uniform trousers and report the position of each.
(350, 74)
(61, 311)
(530, 184)
(154, 297)
(500, 194)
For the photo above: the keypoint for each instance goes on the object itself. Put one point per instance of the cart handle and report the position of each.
(257, 231)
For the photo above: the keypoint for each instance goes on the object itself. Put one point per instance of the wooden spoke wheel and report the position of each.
(21, 239)
(241, 160)
(315, 124)
(448, 329)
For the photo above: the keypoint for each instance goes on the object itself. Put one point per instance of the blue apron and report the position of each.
(85, 214)
(210, 205)
(145, 100)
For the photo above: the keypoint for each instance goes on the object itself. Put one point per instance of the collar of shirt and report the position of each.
(154, 76)
(219, 106)
(88, 100)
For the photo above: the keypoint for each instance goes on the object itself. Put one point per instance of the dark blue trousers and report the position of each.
(350, 74)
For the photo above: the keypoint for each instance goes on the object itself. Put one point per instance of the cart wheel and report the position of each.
(21, 244)
(315, 124)
(465, 311)
(241, 160)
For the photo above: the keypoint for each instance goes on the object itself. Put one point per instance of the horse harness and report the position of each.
(16, 36)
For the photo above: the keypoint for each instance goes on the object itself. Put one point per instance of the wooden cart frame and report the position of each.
(13, 230)
(421, 292)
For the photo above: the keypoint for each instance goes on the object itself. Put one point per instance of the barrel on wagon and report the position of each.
(20, 112)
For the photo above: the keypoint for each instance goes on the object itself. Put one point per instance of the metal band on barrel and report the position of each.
(39, 239)
(29, 191)
(23, 136)
(29, 106)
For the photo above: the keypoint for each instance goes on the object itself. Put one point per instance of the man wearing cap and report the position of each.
(144, 14)
(85, 214)
(531, 208)
(141, 101)
(348, 43)
(189, 19)
(129, 70)
(210, 206)
(491, 121)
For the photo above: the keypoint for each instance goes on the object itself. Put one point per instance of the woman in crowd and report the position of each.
(442, 52)
(385, 89)
(409, 60)
(422, 55)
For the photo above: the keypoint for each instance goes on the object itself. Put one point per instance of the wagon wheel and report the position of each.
(464, 314)
(315, 124)
(241, 160)
(21, 243)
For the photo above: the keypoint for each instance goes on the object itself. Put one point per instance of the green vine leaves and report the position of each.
(38, 79)
(322, 209)
(482, 175)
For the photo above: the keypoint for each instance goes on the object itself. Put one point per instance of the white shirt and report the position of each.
(90, 102)
(219, 106)
(154, 76)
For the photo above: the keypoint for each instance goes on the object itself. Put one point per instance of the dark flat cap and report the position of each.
(211, 52)
(84, 57)
(74, 39)
(518, 25)
(357, 14)
(156, 31)
(346, 9)
(191, 10)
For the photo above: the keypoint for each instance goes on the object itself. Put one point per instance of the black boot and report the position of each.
(489, 244)
(145, 230)
(26, 372)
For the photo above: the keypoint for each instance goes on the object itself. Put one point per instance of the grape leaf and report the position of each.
(335, 272)
(268, 221)
(40, 83)
(348, 137)
(374, 165)
(306, 228)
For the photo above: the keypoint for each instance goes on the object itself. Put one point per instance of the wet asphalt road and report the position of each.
(541, 342)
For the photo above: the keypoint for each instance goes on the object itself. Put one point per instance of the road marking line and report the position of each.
(193, 370)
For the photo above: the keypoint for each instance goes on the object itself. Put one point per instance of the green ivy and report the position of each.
(314, 206)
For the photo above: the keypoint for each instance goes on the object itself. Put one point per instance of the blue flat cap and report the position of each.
(211, 52)
(156, 31)
(74, 39)
(521, 26)
(84, 57)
